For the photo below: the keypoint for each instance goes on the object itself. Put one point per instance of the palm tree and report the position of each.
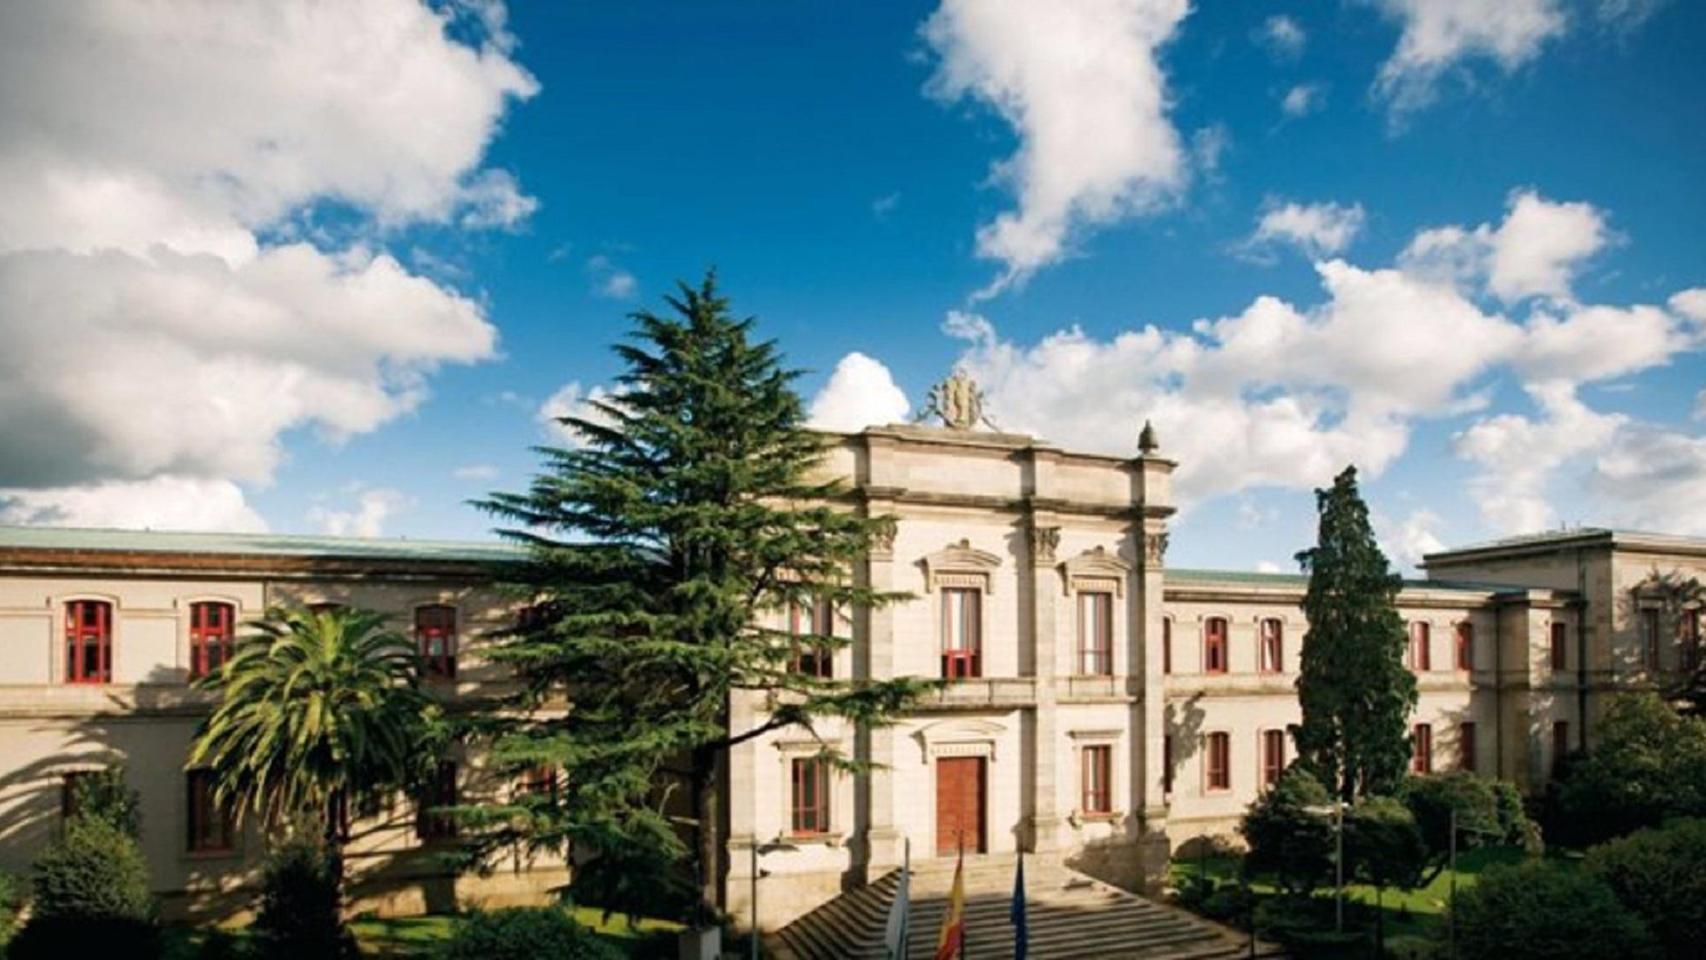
(319, 711)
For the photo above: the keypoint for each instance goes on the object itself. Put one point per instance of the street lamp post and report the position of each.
(1338, 812)
(758, 848)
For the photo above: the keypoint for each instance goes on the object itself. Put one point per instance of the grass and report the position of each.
(419, 937)
(1414, 919)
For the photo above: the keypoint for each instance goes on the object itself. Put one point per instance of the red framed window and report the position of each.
(1273, 756)
(435, 636)
(210, 823)
(1422, 748)
(1167, 764)
(1214, 645)
(1167, 645)
(1421, 640)
(1097, 777)
(539, 780)
(1219, 774)
(809, 796)
(1560, 744)
(1273, 645)
(1558, 653)
(1466, 746)
(962, 632)
(431, 820)
(1650, 638)
(1690, 640)
(88, 641)
(213, 635)
(1465, 646)
(817, 620)
(1096, 634)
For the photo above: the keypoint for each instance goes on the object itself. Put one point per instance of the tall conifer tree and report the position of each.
(690, 513)
(1356, 692)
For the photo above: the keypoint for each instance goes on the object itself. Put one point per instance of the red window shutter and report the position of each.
(211, 636)
(1465, 646)
(1214, 645)
(809, 796)
(88, 641)
(1560, 652)
(1097, 777)
(1421, 657)
(1167, 645)
(962, 630)
(1219, 761)
(435, 633)
(1095, 634)
(1422, 742)
(1273, 756)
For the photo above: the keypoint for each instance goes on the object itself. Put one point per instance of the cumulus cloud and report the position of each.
(1318, 229)
(1081, 85)
(1535, 251)
(1653, 478)
(475, 471)
(366, 518)
(860, 393)
(1412, 538)
(1303, 99)
(158, 503)
(165, 317)
(1284, 394)
(1440, 34)
(1282, 36)
(571, 400)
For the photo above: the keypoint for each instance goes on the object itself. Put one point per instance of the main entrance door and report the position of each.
(959, 804)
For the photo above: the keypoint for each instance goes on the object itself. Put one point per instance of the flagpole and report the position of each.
(965, 931)
(906, 918)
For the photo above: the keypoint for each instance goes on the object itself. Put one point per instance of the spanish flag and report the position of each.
(953, 934)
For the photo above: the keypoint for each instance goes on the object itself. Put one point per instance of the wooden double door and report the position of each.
(961, 784)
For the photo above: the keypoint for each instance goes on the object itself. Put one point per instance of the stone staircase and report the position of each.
(1069, 915)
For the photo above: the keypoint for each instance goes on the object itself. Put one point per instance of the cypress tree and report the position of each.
(1355, 691)
(692, 511)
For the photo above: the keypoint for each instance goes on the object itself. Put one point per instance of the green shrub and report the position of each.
(301, 905)
(13, 894)
(1304, 925)
(1648, 765)
(1660, 875)
(104, 795)
(1287, 841)
(1541, 910)
(94, 872)
(525, 933)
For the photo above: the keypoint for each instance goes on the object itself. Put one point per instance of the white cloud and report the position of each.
(1652, 478)
(860, 393)
(1626, 15)
(885, 205)
(571, 400)
(610, 280)
(1690, 303)
(1081, 85)
(150, 333)
(1440, 34)
(1209, 146)
(1318, 229)
(1535, 251)
(366, 519)
(1518, 456)
(1285, 395)
(1282, 36)
(475, 471)
(1412, 538)
(1267, 566)
(1303, 99)
(158, 503)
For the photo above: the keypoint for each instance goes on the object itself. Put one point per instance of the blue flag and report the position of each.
(1021, 932)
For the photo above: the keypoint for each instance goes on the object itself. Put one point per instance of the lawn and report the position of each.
(1413, 917)
(408, 937)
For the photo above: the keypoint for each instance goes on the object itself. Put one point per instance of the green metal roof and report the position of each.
(1300, 581)
(255, 544)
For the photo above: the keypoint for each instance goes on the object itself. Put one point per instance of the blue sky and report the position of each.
(1480, 275)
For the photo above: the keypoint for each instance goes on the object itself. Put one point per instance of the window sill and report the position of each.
(1081, 818)
(830, 839)
(203, 856)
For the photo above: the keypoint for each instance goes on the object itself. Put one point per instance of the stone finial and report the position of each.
(1146, 442)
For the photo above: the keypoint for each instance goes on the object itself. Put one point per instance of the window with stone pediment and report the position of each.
(1214, 659)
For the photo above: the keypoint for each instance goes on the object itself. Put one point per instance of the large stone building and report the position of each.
(1104, 709)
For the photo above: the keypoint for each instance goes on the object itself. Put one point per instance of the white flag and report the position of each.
(894, 935)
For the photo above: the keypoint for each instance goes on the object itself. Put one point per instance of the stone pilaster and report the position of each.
(873, 655)
(1153, 508)
(1047, 823)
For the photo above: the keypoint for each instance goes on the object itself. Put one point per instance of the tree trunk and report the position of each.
(707, 835)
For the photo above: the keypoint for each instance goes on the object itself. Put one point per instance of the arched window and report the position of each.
(435, 632)
(88, 641)
(212, 635)
(1214, 645)
(1273, 645)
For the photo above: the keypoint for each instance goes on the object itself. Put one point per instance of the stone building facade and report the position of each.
(1103, 710)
